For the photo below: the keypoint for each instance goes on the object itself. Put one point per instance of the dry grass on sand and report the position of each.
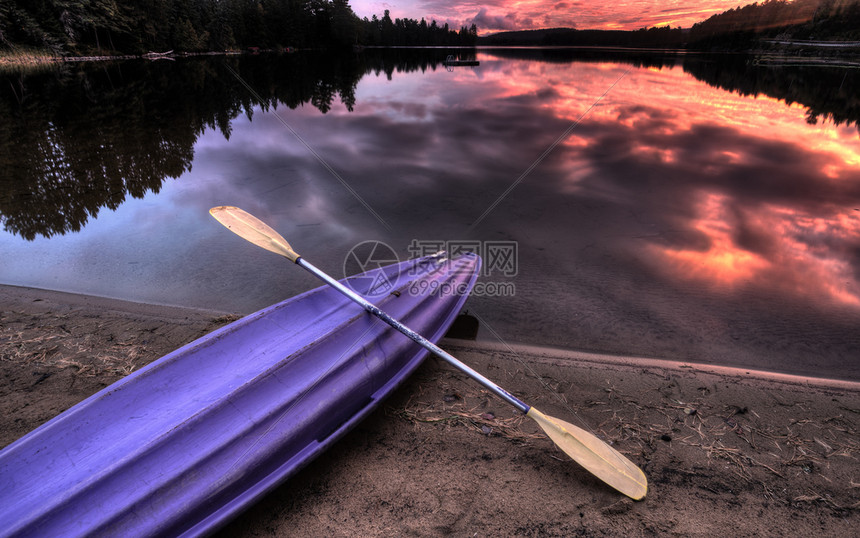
(724, 453)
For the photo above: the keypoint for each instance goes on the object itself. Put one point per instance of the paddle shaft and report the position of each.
(583, 447)
(420, 340)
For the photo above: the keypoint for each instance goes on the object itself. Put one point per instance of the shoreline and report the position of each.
(71, 299)
(834, 54)
(604, 360)
(538, 352)
(761, 454)
(35, 58)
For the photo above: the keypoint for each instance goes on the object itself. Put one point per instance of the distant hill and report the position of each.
(664, 37)
(750, 27)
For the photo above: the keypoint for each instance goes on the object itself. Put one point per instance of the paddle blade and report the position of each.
(252, 229)
(594, 455)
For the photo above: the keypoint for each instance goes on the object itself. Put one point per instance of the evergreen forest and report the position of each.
(139, 26)
(104, 27)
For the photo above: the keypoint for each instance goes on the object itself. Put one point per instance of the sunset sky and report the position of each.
(500, 15)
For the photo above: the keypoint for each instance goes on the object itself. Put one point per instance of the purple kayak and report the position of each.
(184, 444)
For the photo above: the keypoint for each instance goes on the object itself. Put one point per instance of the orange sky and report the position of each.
(499, 15)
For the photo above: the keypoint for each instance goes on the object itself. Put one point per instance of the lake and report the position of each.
(694, 208)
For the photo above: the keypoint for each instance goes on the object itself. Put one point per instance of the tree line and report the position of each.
(742, 27)
(410, 32)
(138, 26)
(135, 26)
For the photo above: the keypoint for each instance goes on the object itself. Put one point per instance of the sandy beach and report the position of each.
(726, 451)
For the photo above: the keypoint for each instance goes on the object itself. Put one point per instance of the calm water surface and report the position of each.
(699, 209)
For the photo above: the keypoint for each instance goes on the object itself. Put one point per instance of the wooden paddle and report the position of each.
(585, 448)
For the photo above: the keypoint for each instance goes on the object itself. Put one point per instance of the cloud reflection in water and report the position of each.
(678, 220)
(740, 191)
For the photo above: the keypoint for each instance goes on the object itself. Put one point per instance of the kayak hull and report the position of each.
(184, 444)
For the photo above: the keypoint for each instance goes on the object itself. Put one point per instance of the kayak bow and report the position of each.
(184, 444)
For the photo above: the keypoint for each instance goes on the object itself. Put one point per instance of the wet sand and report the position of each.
(725, 450)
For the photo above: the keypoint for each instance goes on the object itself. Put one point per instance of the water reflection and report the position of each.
(735, 191)
(780, 248)
(825, 93)
(677, 220)
(83, 138)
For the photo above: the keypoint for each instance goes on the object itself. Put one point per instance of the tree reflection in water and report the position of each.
(83, 137)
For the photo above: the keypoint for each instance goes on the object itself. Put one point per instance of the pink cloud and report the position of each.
(496, 15)
(486, 21)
